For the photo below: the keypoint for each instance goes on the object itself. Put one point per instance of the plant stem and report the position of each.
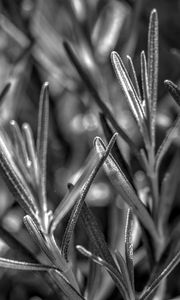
(59, 261)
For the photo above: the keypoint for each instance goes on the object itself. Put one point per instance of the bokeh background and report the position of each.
(32, 52)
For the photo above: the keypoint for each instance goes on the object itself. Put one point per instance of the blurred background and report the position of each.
(32, 52)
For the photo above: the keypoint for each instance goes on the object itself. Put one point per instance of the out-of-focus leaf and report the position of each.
(132, 37)
(167, 142)
(108, 28)
(153, 57)
(173, 90)
(168, 191)
(127, 192)
(116, 276)
(129, 246)
(83, 192)
(80, 10)
(90, 85)
(4, 92)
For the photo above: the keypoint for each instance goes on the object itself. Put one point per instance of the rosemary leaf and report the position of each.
(61, 281)
(127, 192)
(116, 152)
(71, 196)
(153, 57)
(134, 77)
(95, 234)
(173, 90)
(125, 274)
(78, 206)
(37, 236)
(94, 278)
(129, 245)
(42, 139)
(15, 182)
(31, 150)
(23, 266)
(145, 87)
(129, 91)
(116, 276)
(164, 267)
(20, 144)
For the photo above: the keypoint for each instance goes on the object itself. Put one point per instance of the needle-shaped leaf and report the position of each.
(61, 281)
(52, 253)
(94, 278)
(95, 234)
(125, 274)
(37, 236)
(129, 91)
(70, 198)
(129, 245)
(145, 87)
(116, 152)
(29, 139)
(164, 267)
(42, 139)
(153, 57)
(167, 142)
(15, 181)
(90, 85)
(173, 90)
(78, 205)
(23, 266)
(116, 276)
(134, 76)
(22, 250)
(19, 143)
(127, 192)
(4, 92)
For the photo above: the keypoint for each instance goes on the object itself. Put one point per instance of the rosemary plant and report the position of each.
(23, 166)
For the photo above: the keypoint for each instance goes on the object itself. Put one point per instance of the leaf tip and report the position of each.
(114, 57)
(154, 14)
